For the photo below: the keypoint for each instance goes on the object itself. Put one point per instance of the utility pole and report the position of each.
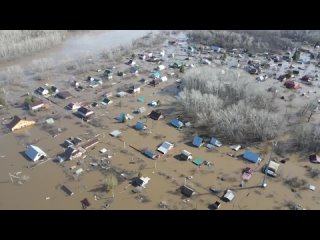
(264, 184)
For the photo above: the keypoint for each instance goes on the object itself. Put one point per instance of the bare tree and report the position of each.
(111, 182)
(228, 103)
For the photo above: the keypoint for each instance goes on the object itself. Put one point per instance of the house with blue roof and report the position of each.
(176, 123)
(215, 142)
(35, 153)
(197, 141)
(252, 157)
(165, 147)
(140, 126)
(134, 70)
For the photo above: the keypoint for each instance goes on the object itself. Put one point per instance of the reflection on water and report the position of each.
(83, 43)
(96, 41)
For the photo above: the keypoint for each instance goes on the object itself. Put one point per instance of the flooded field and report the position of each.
(38, 186)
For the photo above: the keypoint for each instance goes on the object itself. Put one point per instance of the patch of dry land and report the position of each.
(37, 185)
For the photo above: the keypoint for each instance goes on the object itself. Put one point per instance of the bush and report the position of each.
(2, 101)
(296, 182)
(307, 137)
(314, 173)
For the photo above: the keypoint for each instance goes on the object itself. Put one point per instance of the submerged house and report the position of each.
(107, 74)
(252, 157)
(215, 142)
(36, 105)
(149, 154)
(155, 115)
(71, 153)
(42, 91)
(187, 191)
(185, 155)
(141, 182)
(35, 153)
(165, 147)
(155, 75)
(134, 70)
(197, 141)
(18, 123)
(84, 112)
(106, 101)
(74, 106)
(140, 126)
(228, 196)
(176, 123)
(292, 84)
(64, 95)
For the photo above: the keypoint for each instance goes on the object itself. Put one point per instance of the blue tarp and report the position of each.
(139, 125)
(252, 157)
(140, 99)
(197, 141)
(149, 154)
(176, 123)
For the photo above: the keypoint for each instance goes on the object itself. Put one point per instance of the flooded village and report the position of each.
(108, 131)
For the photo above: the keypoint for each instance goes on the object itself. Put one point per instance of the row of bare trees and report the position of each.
(227, 103)
(254, 40)
(16, 43)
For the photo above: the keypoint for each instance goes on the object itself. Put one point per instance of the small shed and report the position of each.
(185, 155)
(228, 196)
(187, 191)
(197, 161)
(67, 190)
(115, 133)
(149, 154)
